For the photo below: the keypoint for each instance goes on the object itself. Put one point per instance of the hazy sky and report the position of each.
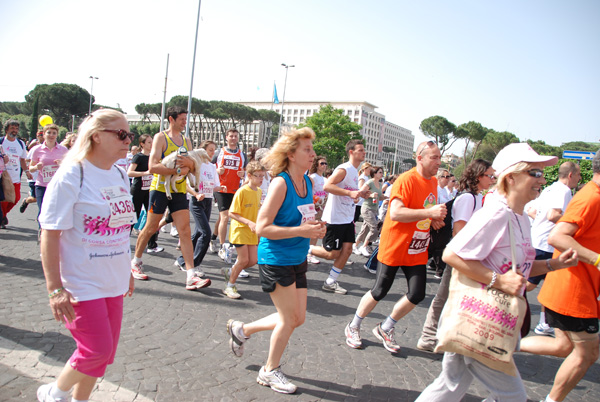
(529, 67)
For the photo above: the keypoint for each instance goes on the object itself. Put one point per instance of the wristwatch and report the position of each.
(178, 170)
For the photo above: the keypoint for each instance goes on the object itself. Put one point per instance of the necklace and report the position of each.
(519, 223)
(296, 187)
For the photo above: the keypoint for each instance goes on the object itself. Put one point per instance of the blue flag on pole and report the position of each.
(275, 99)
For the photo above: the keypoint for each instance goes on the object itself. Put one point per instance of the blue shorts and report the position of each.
(159, 202)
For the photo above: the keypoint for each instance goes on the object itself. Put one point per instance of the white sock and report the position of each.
(136, 260)
(310, 249)
(79, 400)
(388, 324)
(548, 399)
(241, 333)
(542, 317)
(190, 273)
(57, 393)
(356, 321)
(230, 285)
(333, 275)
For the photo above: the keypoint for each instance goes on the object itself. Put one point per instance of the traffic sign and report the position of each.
(578, 155)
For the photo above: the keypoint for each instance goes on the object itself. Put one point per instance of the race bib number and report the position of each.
(419, 243)
(207, 188)
(48, 172)
(308, 212)
(146, 181)
(231, 162)
(122, 211)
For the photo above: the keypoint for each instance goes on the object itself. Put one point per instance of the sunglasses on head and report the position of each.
(537, 173)
(427, 145)
(121, 134)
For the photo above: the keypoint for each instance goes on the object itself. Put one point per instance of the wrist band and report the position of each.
(597, 261)
(55, 292)
(549, 266)
(494, 276)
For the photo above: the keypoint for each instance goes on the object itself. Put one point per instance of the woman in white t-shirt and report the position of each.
(476, 178)
(316, 172)
(86, 217)
(482, 252)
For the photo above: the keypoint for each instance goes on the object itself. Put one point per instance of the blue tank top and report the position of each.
(287, 251)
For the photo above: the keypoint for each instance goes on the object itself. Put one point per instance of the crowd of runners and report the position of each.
(283, 208)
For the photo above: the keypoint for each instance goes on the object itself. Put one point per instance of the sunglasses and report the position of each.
(121, 134)
(323, 163)
(445, 177)
(537, 173)
(491, 176)
(427, 145)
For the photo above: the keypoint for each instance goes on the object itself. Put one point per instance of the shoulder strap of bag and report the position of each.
(513, 253)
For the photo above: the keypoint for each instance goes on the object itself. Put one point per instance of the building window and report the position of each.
(295, 111)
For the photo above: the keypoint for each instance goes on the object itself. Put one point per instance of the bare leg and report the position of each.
(342, 258)
(70, 378)
(152, 221)
(561, 346)
(401, 308)
(328, 255)
(366, 305)
(572, 370)
(291, 309)
(222, 229)
(241, 263)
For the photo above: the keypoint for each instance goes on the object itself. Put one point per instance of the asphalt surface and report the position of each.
(174, 344)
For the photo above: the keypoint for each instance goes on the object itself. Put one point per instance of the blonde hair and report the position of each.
(502, 185)
(277, 159)
(95, 122)
(255, 166)
(67, 141)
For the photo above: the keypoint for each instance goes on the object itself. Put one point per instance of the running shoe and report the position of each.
(244, 274)
(231, 292)
(43, 394)
(178, 264)
(213, 246)
(225, 273)
(424, 346)
(371, 271)
(334, 288)
(544, 329)
(23, 206)
(236, 340)
(356, 250)
(276, 380)
(364, 251)
(387, 338)
(349, 262)
(312, 259)
(199, 273)
(155, 250)
(195, 282)
(164, 229)
(226, 252)
(353, 337)
(137, 271)
(174, 231)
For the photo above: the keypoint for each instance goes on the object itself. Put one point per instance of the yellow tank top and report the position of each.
(171, 147)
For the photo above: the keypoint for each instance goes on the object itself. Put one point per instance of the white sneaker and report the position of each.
(276, 380)
(544, 329)
(164, 229)
(244, 274)
(225, 253)
(311, 259)
(213, 246)
(155, 250)
(137, 271)
(364, 252)
(43, 394)
(334, 288)
(174, 231)
(356, 250)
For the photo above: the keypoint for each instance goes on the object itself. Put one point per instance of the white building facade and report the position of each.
(383, 140)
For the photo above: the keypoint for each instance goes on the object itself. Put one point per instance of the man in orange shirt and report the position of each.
(404, 240)
(570, 295)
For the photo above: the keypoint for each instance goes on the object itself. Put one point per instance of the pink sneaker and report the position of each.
(137, 271)
(195, 282)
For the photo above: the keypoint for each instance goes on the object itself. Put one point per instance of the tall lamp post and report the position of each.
(283, 99)
(91, 90)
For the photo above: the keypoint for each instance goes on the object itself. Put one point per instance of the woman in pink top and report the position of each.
(45, 159)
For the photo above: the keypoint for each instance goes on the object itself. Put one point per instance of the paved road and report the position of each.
(174, 345)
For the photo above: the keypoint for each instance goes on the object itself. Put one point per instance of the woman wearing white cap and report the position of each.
(481, 251)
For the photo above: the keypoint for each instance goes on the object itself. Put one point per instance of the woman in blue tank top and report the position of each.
(286, 223)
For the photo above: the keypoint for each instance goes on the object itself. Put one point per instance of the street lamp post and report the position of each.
(91, 90)
(283, 99)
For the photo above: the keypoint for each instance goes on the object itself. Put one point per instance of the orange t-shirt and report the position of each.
(233, 162)
(406, 243)
(574, 291)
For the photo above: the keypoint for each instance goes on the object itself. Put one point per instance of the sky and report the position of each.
(529, 67)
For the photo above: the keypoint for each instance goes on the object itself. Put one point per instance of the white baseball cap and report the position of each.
(519, 152)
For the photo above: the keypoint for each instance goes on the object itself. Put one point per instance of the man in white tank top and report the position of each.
(342, 187)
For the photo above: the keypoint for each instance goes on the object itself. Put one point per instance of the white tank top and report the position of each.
(339, 209)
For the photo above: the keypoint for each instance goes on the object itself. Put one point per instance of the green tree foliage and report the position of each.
(579, 146)
(493, 142)
(34, 120)
(440, 130)
(472, 133)
(551, 172)
(24, 124)
(333, 130)
(14, 108)
(544, 149)
(270, 120)
(60, 101)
